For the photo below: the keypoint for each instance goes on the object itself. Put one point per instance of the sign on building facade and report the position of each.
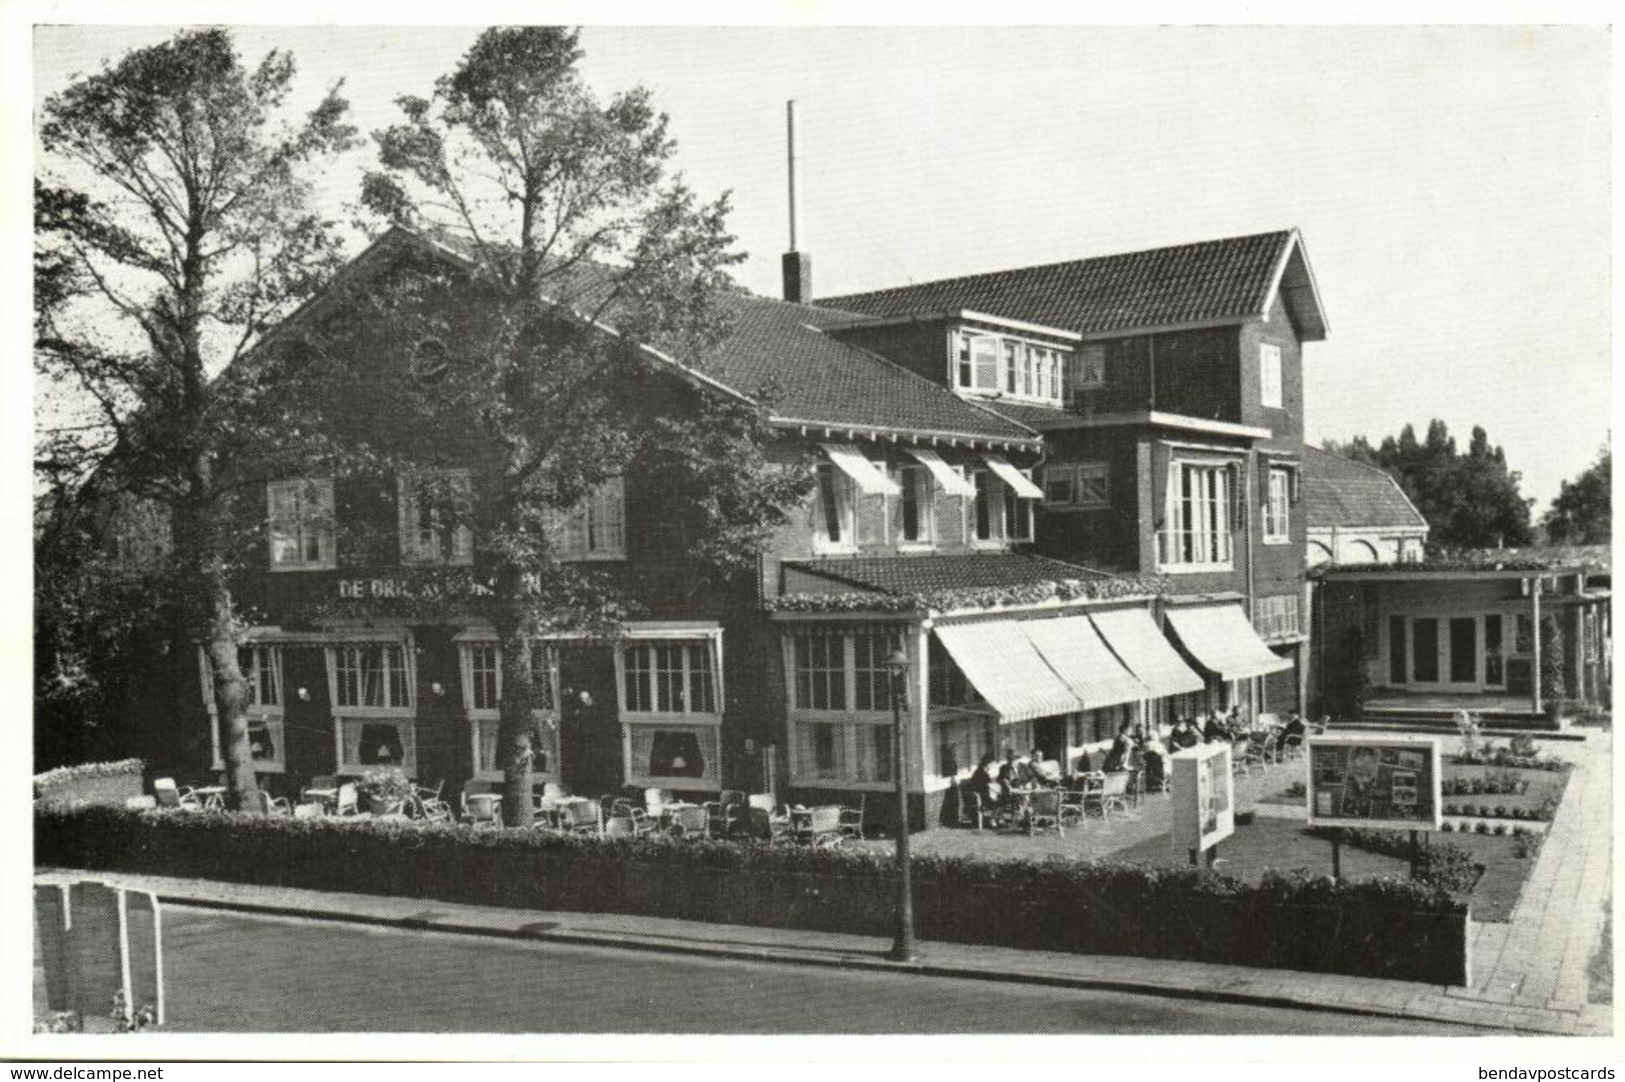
(1372, 780)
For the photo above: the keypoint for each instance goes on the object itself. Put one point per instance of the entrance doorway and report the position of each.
(589, 722)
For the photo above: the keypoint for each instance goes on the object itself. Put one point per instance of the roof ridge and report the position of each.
(1035, 267)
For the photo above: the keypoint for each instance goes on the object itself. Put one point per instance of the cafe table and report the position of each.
(212, 796)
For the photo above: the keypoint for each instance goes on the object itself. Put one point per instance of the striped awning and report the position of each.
(1087, 665)
(870, 478)
(1003, 666)
(951, 480)
(1019, 482)
(1222, 640)
(1140, 645)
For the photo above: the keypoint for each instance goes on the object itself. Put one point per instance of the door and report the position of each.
(589, 721)
(1425, 650)
(1049, 735)
(1463, 665)
(1494, 669)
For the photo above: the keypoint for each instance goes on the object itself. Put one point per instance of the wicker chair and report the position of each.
(691, 823)
(1044, 812)
(851, 823)
(263, 803)
(171, 797)
(1108, 794)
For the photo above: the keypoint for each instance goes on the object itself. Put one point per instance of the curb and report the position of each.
(792, 956)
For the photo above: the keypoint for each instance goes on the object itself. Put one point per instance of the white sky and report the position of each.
(1452, 183)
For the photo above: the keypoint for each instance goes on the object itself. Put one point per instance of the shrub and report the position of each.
(1447, 826)
(90, 783)
(1481, 828)
(1501, 811)
(1388, 927)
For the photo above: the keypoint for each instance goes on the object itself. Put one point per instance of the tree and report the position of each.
(561, 218)
(173, 228)
(1582, 513)
(1469, 500)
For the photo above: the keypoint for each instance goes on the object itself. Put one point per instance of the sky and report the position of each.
(1452, 183)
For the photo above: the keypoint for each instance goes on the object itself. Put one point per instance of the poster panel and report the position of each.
(1385, 782)
(1204, 802)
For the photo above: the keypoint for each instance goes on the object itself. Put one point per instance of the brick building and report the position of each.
(1070, 494)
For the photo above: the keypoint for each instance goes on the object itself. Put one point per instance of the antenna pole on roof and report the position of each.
(790, 147)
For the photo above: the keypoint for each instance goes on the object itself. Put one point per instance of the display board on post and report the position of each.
(1374, 780)
(1204, 799)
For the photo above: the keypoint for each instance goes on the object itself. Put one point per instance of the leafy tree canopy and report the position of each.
(1582, 513)
(1470, 500)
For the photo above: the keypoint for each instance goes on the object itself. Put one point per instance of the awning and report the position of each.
(1019, 482)
(1147, 654)
(870, 479)
(1220, 637)
(1075, 651)
(1004, 666)
(949, 479)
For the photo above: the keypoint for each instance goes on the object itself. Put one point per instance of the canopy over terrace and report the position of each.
(1223, 641)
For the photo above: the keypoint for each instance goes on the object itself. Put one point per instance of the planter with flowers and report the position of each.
(385, 791)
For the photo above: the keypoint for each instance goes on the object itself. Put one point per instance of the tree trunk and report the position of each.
(515, 747)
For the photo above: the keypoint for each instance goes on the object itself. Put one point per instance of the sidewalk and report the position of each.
(1188, 980)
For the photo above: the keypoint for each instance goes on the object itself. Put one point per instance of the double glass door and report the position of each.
(1446, 651)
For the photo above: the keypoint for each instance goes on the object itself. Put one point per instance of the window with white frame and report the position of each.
(1269, 374)
(835, 511)
(1198, 516)
(914, 511)
(594, 528)
(434, 510)
(958, 742)
(1277, 617)
(482, 700)
(371, 688)
(261, 666)
(1076, 485)
(671, 711)
(1278, 507)
(840, 703)
(1008, 366)
(299, 515)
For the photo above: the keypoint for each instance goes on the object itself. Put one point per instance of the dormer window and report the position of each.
(1008, 367)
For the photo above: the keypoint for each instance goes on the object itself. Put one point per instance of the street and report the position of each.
(310, 976)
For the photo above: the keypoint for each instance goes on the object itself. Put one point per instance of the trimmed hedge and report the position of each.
(1380, 927)
(91, 783)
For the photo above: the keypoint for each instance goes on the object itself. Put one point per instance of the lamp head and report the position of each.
(897, 663)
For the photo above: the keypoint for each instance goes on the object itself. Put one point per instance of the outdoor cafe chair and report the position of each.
(972, 812)
(655, 801)
(322, 787)
(694, 822)
(852, 819)
(1071, 805)
(1108, 794)
(482, 809)
(430, 792)
(781, 826)
(625, 809)
(620, 826)
(431, 809)
(820, 826)
(263, 803)
(171, 797)
(581, 817)
(1291, 747)
(1044, 812)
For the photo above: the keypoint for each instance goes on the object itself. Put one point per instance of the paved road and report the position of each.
(313, 976)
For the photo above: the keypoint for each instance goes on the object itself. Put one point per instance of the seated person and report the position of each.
(1010, 772)
(1151, 743)
(1184, 735)
(982, 784)
(1043, 771)
(1294, 727)
(1214, 731)
(1122, 746)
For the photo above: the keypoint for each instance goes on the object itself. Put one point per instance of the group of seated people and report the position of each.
(1134, 748)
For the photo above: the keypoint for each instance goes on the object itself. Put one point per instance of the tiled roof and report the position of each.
(778, 354)
(1040, 418)
(1189, 283)
(1339, 492)
(906, 575)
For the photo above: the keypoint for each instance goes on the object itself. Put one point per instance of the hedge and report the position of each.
(1380, 927)
(91, 783)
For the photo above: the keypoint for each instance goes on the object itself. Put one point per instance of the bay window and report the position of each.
(671, 707)
(300, 524)
(840, 704)
(370, 685)
(261, 667)
(481, 669)
(1198, 516)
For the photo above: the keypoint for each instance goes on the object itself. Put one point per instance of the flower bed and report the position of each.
(1381, 927)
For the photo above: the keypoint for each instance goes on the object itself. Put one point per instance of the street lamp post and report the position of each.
(902, 949)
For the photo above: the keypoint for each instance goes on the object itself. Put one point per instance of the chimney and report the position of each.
(797, 266)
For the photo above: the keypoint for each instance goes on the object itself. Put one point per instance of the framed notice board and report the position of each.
(1375, 780)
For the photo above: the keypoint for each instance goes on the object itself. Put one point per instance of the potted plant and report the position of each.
(384, 790)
